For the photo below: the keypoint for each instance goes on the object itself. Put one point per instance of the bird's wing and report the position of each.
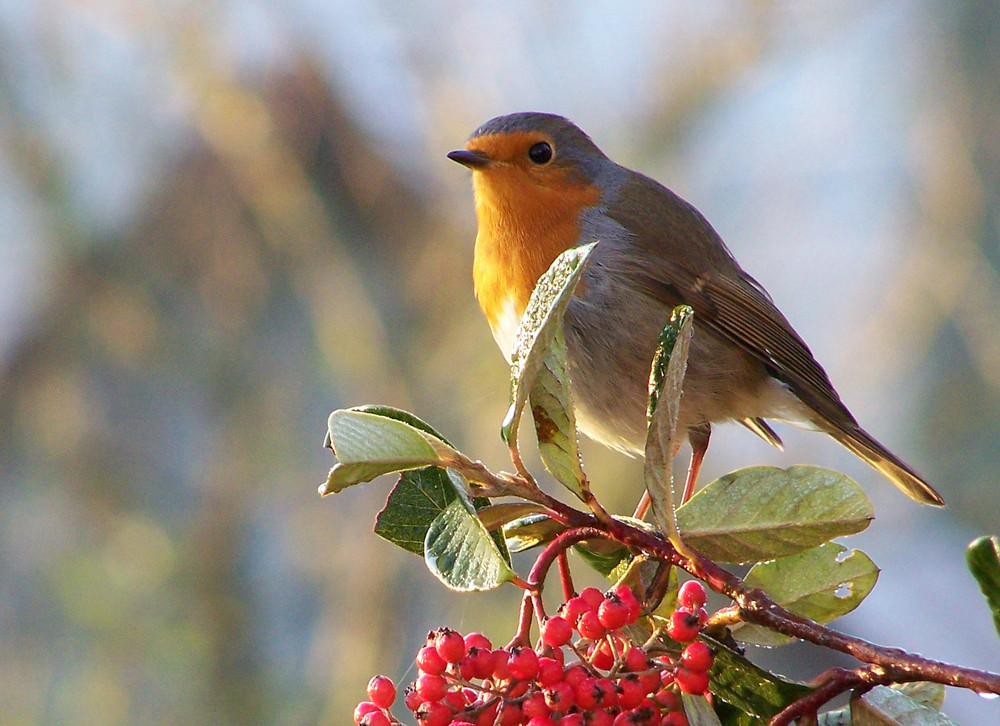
(680, 257)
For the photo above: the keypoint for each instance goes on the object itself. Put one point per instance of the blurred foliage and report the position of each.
(164, 557)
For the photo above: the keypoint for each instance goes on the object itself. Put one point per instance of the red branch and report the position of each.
(886, 665)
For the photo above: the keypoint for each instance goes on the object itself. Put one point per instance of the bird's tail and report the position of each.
(897, 471)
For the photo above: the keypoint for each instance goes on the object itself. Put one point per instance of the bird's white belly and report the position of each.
(505, 328)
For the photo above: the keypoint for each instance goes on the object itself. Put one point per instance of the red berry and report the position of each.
(450, 645)
(455, 699)
(434, 713)
(556, 631)
(693, 682)
(593, 597)
(549, 671)
(601, 656)
(600, 718)
(535, 705)
(375, 718)
(691, 595)
(488, 716)
(430, 687)
(666, 699)
(675, 718)
(636, 660)
(363, 709)
(556, 654)
(573, 609)
(412, 699)
(630, 692)
(523, 664)
(478, 640)
(511, 714)
(381, 691)
(683, 626)
(560, 696)
(501, 669)
(429, 661)
(541, 721)
(627, 595)
(697, 656)
(590, 626)
(575, 675)
(481, 661)
(613, 613)
(572, 719)
(518, 689)
(702, 615)
(650, 682)
(462, 723)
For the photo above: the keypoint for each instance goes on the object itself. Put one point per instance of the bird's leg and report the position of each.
(698, 437)
(643, 506)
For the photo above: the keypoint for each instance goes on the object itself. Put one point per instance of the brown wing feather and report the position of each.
(686, 261)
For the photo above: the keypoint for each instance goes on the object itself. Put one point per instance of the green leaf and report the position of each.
(405, 416)
(763, 512)
(555, 421)
(369, 445)
(820, 584)
(496, 516)
(748, 688)
(923, 692)
(542, 317)
(929, 695)
(983, 558)
(417, 499)
(415, 502)
(461, 553)
(605, 556)
(729, 715)
(530, 531)
(699, 711)
(883, 706)
(666, 378)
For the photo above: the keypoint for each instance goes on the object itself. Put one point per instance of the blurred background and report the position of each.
(220, 221)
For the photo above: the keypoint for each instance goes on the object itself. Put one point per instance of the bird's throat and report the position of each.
(521, 232)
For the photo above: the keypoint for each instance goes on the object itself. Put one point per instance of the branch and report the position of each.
(890, 665)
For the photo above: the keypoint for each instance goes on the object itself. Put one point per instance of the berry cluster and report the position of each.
(611, 680)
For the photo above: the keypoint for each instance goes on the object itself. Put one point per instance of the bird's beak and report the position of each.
(471, 159)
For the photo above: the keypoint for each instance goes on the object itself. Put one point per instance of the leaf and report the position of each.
(542, 317)
(699, 711)
(415, 502)
(555, 421)
(929, 695)
(417, 499)
(763, 512)
(369, 445)
(923, 692)
(883, 706)
(496, 516)
(983, 558)
(405, 416)
(666, 378)
(820, 584)
(604, 556)
(530, 531)
(460, 552)
(749, 688)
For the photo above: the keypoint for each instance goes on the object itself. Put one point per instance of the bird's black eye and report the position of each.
(540, 153)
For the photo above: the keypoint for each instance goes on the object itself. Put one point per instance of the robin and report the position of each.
(541, 186)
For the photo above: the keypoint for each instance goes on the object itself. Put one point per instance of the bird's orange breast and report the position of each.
(523, 227)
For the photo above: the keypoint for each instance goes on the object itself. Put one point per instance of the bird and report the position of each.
(541, 186)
